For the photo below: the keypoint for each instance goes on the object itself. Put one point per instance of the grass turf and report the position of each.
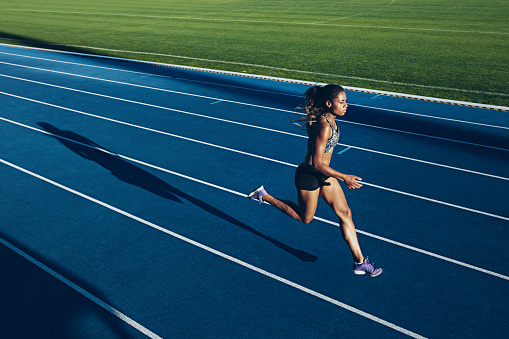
(450, 49)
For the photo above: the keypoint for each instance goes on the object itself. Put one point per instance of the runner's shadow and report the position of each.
(136, 176)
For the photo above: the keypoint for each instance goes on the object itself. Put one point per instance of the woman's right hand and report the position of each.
(350, 181)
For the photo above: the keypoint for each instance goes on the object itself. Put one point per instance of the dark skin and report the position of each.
(331, 193)
(317, 156)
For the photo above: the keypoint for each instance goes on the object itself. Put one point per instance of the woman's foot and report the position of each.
(258, 194)
(366, 268)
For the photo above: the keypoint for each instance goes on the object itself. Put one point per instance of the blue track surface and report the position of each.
(123, 211)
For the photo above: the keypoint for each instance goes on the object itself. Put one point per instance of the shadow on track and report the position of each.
(37, 305)
(134, 175)
(204, 81)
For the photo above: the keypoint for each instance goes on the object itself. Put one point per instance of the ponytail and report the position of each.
(316, 98)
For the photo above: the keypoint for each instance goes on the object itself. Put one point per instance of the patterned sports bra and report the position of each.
(331, 143)
(333, 140)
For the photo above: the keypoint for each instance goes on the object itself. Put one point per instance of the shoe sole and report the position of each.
(255, 192)
(363, 272)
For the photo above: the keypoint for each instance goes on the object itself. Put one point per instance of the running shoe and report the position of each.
(257, 194)
(366, 268)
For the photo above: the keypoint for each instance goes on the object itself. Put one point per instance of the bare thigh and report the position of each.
(334, 196)
(308, 200)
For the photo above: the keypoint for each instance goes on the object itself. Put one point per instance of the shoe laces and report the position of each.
(370, 265)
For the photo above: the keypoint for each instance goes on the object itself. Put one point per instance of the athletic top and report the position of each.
(333, 140)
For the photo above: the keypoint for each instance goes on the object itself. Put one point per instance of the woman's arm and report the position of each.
(323, 134)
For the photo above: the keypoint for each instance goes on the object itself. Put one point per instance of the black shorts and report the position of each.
(308, 179)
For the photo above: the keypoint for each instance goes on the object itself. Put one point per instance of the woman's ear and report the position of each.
(328, 103)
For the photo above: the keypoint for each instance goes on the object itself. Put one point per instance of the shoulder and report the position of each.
(323, 123)
(322, 127)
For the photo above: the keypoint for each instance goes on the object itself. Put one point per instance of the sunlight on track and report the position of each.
(206, 248)
(133, 113)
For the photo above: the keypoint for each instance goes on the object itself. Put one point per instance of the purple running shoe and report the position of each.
(366, 268)
(257, 194)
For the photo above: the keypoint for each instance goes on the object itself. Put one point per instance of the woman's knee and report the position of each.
(344, 213)
(306, 219)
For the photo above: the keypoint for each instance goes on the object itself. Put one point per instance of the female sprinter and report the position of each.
(315, 178)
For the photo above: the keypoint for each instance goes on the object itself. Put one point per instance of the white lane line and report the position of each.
(254, 126)
(263, 77)
(427, 162)
(262, 21)
(415, 249)
(144, 73)
(425, 135)
(435, 201)
(148, 87)
(143, 128)
(247, 104)
(237, 151)
(74, 286)
(243, 195)
(251, 89)
(431, 116)
(155, 106)
(280, 69)
(222, 255)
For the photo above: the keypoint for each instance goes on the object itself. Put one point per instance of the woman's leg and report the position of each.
(304, 211)
(333, 195)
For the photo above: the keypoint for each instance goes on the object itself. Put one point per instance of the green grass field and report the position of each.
(453, 49)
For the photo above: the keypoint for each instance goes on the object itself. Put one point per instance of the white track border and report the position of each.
(300, 82)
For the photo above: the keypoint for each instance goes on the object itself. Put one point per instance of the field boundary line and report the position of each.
(220, 254)
(263, 21)
(307, 83)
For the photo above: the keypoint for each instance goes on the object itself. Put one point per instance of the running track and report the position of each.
(123, 209)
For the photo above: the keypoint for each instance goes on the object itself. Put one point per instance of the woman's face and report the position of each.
(338, 105)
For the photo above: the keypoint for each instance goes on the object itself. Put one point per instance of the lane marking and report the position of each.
(144, 128)
(257, 106)
(262, 21)
(436, 201)
(427, 162)
(430, 116)
(425, 135)
(145, 87)
(219, 99)
(257, 127)
(77, 288)
(133, 72)
(358, 14)
(155, 106)
(243, 195)
(216, 102)
(222, 255)
(431, 254)
(237, 151)
(282, 69)
(257, 76)
(344, 150)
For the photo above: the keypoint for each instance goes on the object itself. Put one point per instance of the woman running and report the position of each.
(315, 178)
